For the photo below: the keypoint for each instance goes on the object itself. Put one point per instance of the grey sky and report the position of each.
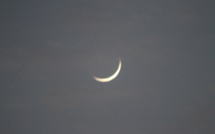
(51, 49)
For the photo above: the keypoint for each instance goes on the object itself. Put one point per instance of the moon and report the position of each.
(110, 78)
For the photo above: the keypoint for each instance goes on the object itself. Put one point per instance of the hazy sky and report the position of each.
(50, 50)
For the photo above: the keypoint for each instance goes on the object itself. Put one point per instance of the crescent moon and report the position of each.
(110, 78)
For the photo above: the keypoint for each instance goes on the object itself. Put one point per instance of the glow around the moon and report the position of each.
(110, 78)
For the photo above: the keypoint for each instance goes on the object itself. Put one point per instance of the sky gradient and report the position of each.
(50, 51)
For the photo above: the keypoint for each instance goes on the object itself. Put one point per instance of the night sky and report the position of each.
(51, 49)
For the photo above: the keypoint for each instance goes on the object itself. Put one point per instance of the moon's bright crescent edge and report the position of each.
(111, 77)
